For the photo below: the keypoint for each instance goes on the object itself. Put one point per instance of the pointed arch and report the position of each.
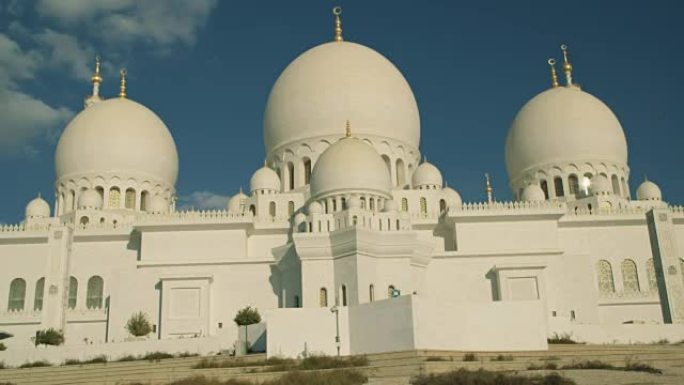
(94, 293)
(17, 295)
(38, 295)
(323, 297)
(605, 277)
(73, 292)
(630, 278)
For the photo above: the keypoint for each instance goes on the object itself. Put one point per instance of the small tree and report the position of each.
(49, 337)
(245, 317)
(138, 325)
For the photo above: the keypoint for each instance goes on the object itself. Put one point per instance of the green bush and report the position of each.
(484, 377)
(469, 357)
(49, 337)
(333, 377)
(2, 347)
(546, 366)
(127, 358)
(501, 357)
(565, 338)
(156, 356)
(641, 367)
(435, 358)
(594, 364)
(139, 325)
(277, 364)
(35, 364)
(328, 362)
(2, 365)
(187, 354)
(247, 316)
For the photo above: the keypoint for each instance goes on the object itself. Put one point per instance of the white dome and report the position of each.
(600, 185)
(390, 206)
(335, 82)
(37, 208)
(315, 208)
(426, 174)
(649, 191)
(563, 124)
(157, 205)
(452, 197)
(90, 200)
(299, 218)
(532, 193)
(121, 137)
(350, 164)
(264, 179)
(236, 203)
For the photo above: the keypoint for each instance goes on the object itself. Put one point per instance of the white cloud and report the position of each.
(64, 50)
(202, 200)
(15, 63)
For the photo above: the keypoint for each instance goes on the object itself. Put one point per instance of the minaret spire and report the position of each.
(488, 189)
(337, 11)
(122, 86)
(554, 75)
(347, 132)
(567, 67)
(96, 79)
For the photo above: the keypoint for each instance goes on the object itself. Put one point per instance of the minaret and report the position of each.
(488, 189)
(337, 11)
(96, 79)
(567, 67)
(122, 85)
(554, 75)
(347, 131)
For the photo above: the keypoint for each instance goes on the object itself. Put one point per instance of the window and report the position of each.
(652, 279)
(545, 188)
(307, 170)
(630, 278)
(605, 277)
(404, 204)
(290, 176)
(355, 220)
(323, 297)
(114, 198)
(73, 292)
(344, 295)
(401, 178)
(442, 205)
(130, 199)
(290, 208)
(558, 186)
(616, 184)
(573, 183)
(371, 204)
(94, 292)
(38, 296)
(371, 293)
(343, 203)
(334, 205)
(272, 209)
(252, 209)
(363, 202)
(17, 294)
(390, 291)
(423, 205)
(143, 200)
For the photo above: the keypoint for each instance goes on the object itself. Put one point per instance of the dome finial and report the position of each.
(488, 188)
(554, 75)
(337, 11)
(567, 67)
(96, 79)
(347, 133)
(122, 86)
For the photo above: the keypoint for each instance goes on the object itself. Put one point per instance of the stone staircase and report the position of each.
(384, 369)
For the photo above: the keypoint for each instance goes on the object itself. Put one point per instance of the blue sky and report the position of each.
(206, 67)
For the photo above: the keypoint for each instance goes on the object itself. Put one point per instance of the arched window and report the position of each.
(371, 204)
(290, 208)
(343, 203)
(423, 205)
(94, 292)
(605, 277)
(573, 184)
(344, 295)
(38, 295)
(545, 187)
(84, 221)
(144, 196)
(114, 198)
(73, 292)
(290, 176)
(616, 184)
(334, 205)
(404, 204)
(371, 293)
(558, 186)
(652, 279)
(307, 170)
(252, 209)
(398, 224)
(363, 202)
(401, 176)
(272, 209)
(630, 278)
(17, 294)
(130, 199)
(355, 220)
(390, 291)
(323, 297)
(442, 205)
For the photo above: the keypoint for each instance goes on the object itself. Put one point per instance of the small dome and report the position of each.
(600, 185)
(350, 164)
(426, 175)
(37, 208)
(157, 205)
(264, 179)
(315, 208)
(299, 218)
(533, 193)
(390, 206)
(90, 200)
(452, 197)
(649, 191)
(236, 203)
(354, 203)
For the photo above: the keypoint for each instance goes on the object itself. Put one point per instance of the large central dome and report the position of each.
(335, 82)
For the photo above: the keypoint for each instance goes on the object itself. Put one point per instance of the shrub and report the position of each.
(641, 367)
(336, 377)
(2, 365)
(187, 354)
(35, 364)
(2, 347)
(49, 337)
(328, 362)
(435, 358)
(127, 357)
(501, 357)
(138, 325)
(546, 366)
(72, 361)
(247, 316)
(469, 357)
(101, 359)
(7, 383)
(595, 364)
(156, 356)
(565, 338)
(484, 377)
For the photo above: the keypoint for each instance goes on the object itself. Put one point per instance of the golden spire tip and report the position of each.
(337, 11)
(567, 67)
(348, 133)
(122, 86)
(97, 78)
(554, 75)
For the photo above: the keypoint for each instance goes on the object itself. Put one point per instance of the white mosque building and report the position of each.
(343, 215)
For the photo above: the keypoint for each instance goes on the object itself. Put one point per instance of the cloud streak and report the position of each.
(202, 200)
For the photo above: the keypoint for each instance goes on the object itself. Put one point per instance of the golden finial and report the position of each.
(488, 188)
(347, 133)
(97, 79)
(567, 67)
(554, 75)
(337, 11)
(122, 87)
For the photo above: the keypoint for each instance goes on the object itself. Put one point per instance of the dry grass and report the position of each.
(484, 377)
(334, 377)
(275, 364)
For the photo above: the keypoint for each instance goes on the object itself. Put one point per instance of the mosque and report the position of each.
(346, 241)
